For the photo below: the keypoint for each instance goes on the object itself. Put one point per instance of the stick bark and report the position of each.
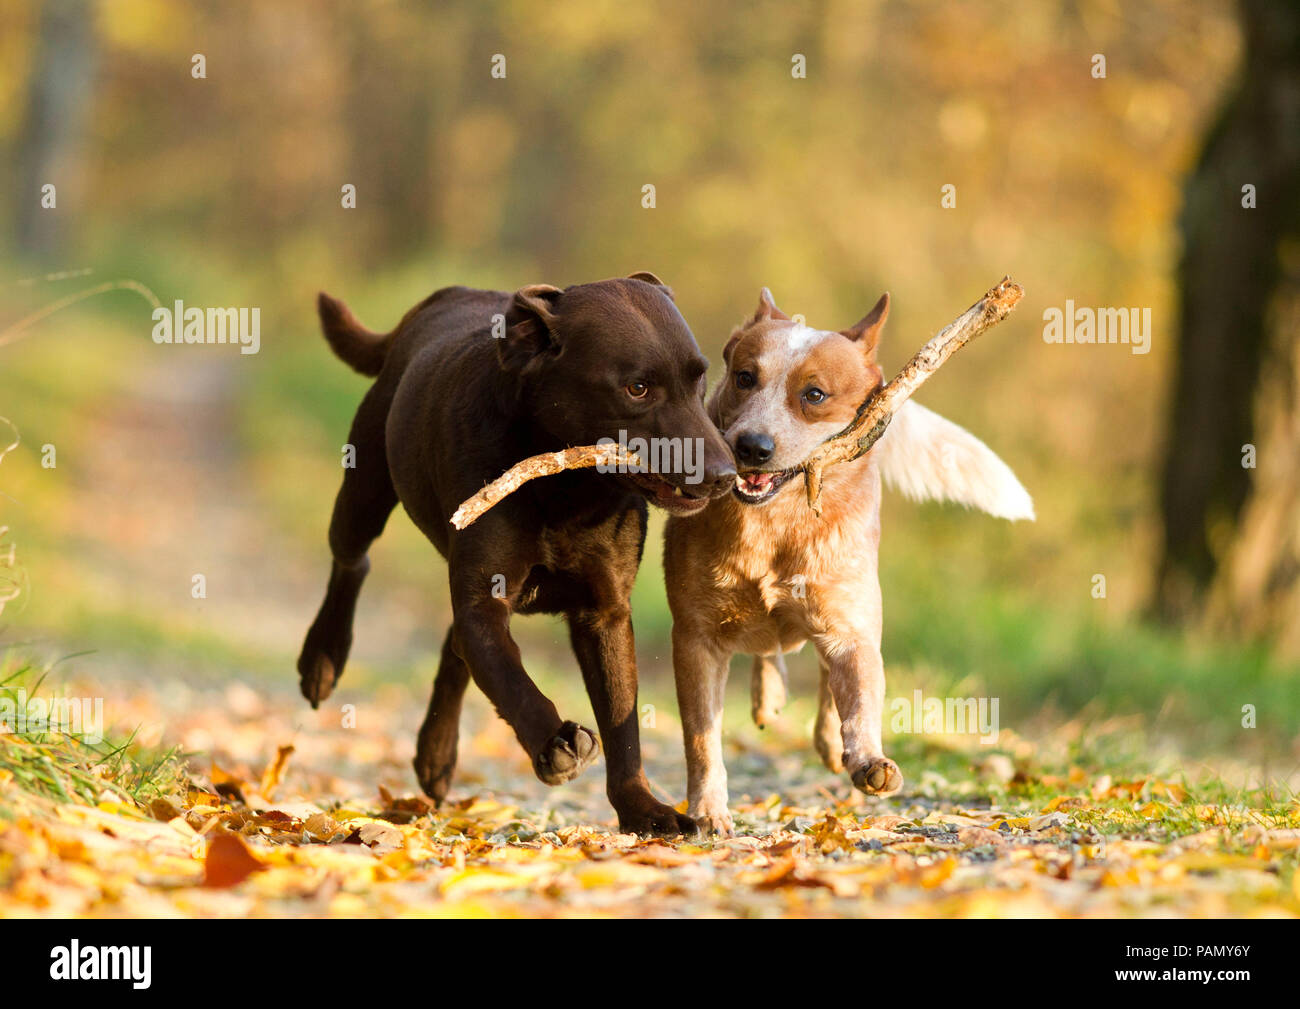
(874, 415)
(546, 464)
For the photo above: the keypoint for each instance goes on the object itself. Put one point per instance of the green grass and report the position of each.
(75, 765)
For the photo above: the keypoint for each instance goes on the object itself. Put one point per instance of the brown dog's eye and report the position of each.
(744, 380)
(637, 390)
(814, 396)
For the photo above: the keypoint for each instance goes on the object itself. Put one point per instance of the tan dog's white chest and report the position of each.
(797, 577)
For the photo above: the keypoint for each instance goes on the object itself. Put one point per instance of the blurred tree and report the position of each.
(1230, 275)
(54, 122)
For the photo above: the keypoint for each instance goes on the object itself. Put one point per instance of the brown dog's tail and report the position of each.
(352, 342)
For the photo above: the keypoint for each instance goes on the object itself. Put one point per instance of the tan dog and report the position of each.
(759, 572)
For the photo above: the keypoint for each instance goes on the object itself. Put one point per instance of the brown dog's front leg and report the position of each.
(603, 643)
(489, 565)
(559, 750)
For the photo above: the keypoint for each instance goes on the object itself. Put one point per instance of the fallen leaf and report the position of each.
(275, 770)
(228, 862)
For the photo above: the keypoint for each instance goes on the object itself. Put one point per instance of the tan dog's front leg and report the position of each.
(701, 673)
(826, 731)
(856, 677)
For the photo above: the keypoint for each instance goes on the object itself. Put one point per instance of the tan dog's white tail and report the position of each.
(926, 457)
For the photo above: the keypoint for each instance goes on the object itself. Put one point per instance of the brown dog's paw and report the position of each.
(566, 754)
(316, 676)
(658, 820)
(878, 776)
(434, 775)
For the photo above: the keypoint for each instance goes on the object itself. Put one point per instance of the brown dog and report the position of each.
(453, 407)
(758, 571)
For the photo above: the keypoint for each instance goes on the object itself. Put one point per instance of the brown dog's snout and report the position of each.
(720, 479)
(719, 466)
(754, 448)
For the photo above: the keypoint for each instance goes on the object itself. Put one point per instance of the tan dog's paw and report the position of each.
(718, 823)
(878, 776)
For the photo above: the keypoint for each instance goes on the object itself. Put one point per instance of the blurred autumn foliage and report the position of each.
(827, 188)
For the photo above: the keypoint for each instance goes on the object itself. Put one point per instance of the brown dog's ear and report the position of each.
(650, 278)
(867, 329)
(767, 309)
(530, 325)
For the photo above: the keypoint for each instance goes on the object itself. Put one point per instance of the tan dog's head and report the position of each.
(788, 388)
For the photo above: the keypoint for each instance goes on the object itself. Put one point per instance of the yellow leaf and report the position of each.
(933, 875)
(469, 881)
(593, 875)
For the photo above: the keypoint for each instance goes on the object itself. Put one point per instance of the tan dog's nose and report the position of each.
(753, 449)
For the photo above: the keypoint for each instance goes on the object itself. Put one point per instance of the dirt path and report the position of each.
(337, 832)
(168, 498)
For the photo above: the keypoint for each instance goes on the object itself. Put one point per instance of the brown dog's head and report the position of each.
(788, 388)
(615, 360)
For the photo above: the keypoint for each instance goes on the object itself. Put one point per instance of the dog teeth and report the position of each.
(677, 492)
(755, 483)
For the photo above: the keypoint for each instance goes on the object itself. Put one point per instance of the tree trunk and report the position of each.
(54, 124)
(1229, 273)
(1257, 592)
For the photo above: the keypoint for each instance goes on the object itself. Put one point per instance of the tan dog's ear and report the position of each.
(736, 334)
(767, 309)
(530, 325)
(650, 278)
(867, 329)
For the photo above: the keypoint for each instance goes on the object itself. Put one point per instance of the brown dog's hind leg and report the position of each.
(361, 511)
(435, 750)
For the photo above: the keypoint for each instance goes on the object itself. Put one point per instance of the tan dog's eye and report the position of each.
(637, 390)
(814, 396)
(744, 380)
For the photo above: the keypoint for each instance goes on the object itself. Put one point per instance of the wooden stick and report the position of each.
(851, 443)
(874, 415)
(546, 464)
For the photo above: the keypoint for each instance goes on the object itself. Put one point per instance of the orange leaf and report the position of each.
(275, 770)
(228, 862)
